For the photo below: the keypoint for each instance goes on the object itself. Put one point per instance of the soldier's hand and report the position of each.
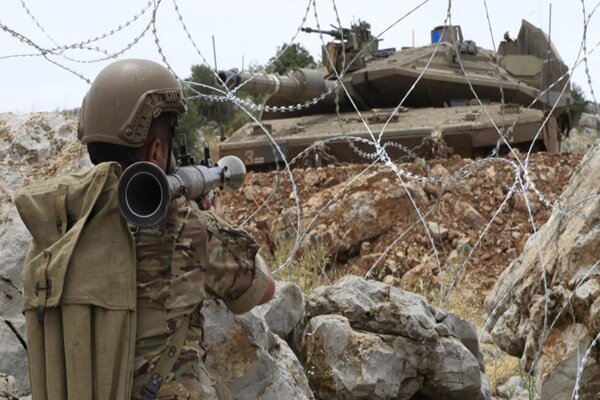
(204, 203)
(216, 206)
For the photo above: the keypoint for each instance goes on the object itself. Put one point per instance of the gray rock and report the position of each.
(548, 321)
(470, 215)
(284, 311)
(592, 121)
(14, 240)
(559, 383)
(253, 362)
(13, 357)
(8, 387)
(363, 339)
(438, 231)
(465, 332)
(511, 387)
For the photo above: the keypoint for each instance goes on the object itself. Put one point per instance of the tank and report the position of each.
(520, 86)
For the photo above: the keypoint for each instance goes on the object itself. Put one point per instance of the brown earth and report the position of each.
(462, 212)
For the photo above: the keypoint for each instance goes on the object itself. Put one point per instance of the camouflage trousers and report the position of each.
(204, 388)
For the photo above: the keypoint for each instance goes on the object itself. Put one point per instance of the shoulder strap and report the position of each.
(165, 362)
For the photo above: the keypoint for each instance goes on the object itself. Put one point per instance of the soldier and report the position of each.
(129, 115)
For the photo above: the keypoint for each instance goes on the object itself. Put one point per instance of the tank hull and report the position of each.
(466, 130)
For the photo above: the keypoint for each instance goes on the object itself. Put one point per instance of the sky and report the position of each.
(247, 33)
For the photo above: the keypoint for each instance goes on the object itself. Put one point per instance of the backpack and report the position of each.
(79, 298)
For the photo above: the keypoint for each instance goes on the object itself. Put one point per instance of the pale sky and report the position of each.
(247, 32)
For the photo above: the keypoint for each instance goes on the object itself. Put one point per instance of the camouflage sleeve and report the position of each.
(231, 259)
(257, 290)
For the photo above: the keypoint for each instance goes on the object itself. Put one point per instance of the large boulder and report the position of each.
(367, 340)
(545, 307)
(251, 360)
(284, 311)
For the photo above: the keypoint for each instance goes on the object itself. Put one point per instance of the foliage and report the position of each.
(306, 270)
(578, 104)
(202, 111)
(188, 126)
(285, 59)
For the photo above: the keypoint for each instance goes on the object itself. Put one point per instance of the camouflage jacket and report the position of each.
(192, 257)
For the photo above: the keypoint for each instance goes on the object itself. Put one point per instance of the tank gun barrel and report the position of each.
(297, 86)
(336, 33)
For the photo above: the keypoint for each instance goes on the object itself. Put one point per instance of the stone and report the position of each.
(284, 311)
(546, 174)
(563, 362)
(312, 177)
(367, 340)
(511, 387)
(13, 356)
(532, 203)
(249, 192)
(367, 214)
(433, 189)
(415, 277)
(14, 240)
(253, 362)
(439, 171)
(469, 215)
(8, 387)
(438, 232)
(530, 315)
(592, 121)
(490, 173)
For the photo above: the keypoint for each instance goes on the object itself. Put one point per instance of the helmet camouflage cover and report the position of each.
(124, 98)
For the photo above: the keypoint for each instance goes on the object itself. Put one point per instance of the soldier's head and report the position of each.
(130, 113)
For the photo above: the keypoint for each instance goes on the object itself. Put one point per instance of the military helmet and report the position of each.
(124, 98)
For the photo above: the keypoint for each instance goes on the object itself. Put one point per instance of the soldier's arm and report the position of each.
(235, 271)
(260, 291)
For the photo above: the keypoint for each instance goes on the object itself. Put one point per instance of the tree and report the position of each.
(294, 56)
(208, 109)
(201, 110)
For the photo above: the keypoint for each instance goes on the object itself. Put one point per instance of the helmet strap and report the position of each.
(172, 127)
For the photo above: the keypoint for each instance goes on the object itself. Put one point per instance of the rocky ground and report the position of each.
(457, 216)
(444, 228)
(454, 262)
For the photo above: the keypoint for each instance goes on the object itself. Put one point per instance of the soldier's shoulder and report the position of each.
(225, 231)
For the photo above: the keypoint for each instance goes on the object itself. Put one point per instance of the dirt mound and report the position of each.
(448, 240)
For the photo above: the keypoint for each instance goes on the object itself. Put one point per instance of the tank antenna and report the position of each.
(222, 138)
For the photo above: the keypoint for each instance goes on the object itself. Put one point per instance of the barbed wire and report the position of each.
(521, 180)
